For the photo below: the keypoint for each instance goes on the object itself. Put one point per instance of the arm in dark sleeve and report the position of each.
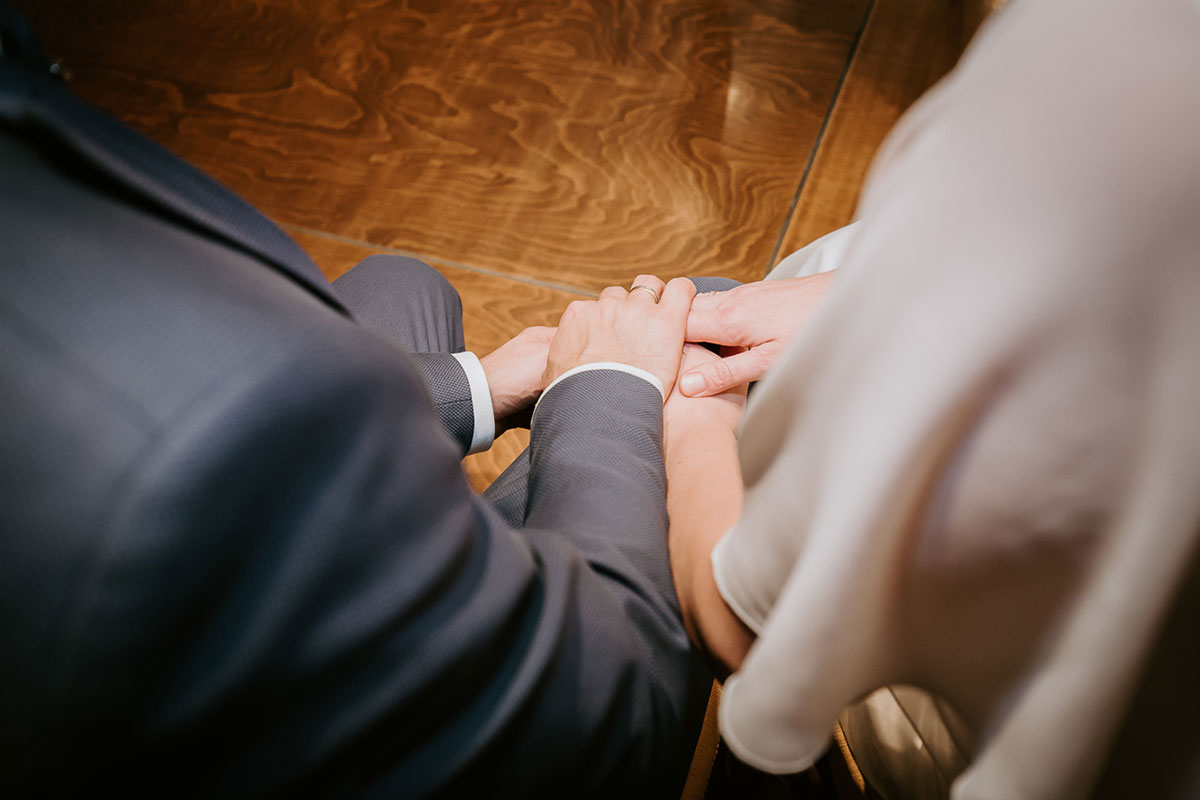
(451, 393)
(315, 600)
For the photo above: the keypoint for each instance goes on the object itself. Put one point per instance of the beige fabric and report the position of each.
(978, 470)
(909, 744)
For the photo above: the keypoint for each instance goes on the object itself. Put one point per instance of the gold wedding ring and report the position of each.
(641, 287)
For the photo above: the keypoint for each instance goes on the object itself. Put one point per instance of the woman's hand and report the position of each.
(759, 319)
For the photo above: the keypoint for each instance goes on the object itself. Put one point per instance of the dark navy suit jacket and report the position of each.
(238, 554)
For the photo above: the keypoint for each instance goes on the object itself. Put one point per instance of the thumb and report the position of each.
(724, 374)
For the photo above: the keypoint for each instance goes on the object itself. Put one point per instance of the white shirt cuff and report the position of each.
(484, 431)
(637, 372)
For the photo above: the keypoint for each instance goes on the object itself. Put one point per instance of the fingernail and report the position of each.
(691, 383)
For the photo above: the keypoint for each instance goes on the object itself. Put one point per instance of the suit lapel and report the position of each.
(34, 100)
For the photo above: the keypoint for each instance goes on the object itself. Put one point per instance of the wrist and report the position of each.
(697, 441)
(491, 375)
(684, 415)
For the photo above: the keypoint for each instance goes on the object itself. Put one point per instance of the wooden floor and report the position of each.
(534, 151)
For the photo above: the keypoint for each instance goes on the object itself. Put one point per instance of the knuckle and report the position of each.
(762, 356)
(720, 373)
(724, 314)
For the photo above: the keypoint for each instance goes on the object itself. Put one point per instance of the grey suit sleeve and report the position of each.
(451, 392)
(300, 591)
(596, 475)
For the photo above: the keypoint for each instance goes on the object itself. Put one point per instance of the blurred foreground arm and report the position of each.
(704, 500)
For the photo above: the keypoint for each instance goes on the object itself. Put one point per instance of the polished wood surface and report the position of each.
(577, 142)
(906, 47)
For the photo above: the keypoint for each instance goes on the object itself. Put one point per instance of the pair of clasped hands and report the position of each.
(752, 323)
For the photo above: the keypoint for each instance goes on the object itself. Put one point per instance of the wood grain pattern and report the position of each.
(494, 310)
(906, 47)
(574, 141)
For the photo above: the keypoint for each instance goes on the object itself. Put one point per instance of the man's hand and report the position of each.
(514, 373)
(759, 317)
(627, 327)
